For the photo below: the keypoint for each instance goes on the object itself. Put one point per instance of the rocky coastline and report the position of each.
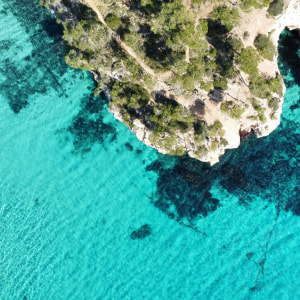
(230, 114)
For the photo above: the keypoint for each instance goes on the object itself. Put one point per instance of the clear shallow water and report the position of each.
(75, 184)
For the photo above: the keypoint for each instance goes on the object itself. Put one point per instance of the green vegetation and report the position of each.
(274, 103)
(248, 4)
(232, 109)
(216, 129)
(171, 16)
(129, 95)
(261, 114)
(150, 5)
(214, 145)
(131, 99)
(167, 142)
(259, 109)
(276, 8)
(113, 22)
(216, 134)
(220, 83)
(212, 135)
(249, 60)
(169, 118)
(263, 88)
(265, 46)
(227, 16)
(197, 2)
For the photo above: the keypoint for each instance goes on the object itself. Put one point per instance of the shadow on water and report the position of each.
(36, 73)
(88, 127)
(259, 167)
(43, 69)
(290, 54)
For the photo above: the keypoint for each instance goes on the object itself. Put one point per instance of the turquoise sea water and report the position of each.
(88, 212)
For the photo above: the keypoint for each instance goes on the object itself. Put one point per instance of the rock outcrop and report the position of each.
(225, 113)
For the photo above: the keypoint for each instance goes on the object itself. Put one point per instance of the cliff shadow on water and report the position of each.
(267, 168)
(43, 69)
(289, 56)
(40, 69)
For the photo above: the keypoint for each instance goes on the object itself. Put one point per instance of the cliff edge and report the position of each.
(187, 77)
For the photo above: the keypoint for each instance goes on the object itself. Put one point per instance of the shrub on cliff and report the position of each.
(249, 60)
(197, 2)
(259, 87)
(113, 22)
(169, 19)
(216, 129)
(274, 103)
(265, 46)
(259, 109)
(169, 118)
(167, 142)
(220, 83)
(276, 8)
(232, 109)
(149, 6)
(264, 87)
(129, 95)
(275, 85)
(227, 16)
(248, 4)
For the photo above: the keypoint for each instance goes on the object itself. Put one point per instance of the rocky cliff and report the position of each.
(187, 77)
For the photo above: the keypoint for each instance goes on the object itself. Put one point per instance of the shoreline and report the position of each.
(238, 93)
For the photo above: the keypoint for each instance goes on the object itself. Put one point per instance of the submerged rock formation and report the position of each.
(187, 77)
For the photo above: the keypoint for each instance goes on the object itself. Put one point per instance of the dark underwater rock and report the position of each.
(141, 233)
(249, 255)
